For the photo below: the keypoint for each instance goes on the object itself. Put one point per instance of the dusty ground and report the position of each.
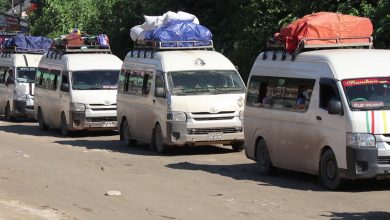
(44, 176)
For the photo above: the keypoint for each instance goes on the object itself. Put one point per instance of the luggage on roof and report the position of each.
(325, 28)
(32, 44)
(172, 30)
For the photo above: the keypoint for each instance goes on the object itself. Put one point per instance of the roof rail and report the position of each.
(174, 45)
(65, 49)
(23, 50)
(320, 43)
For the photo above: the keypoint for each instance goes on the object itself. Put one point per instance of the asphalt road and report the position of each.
(45, 176)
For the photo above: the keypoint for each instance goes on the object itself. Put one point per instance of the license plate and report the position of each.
(109, 124)
(214, 136)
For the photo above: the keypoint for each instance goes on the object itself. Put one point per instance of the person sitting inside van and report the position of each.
(301, 99)
(10, 79)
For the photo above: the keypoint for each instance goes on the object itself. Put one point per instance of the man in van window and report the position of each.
(378, 93)
(10, 78)
(301, 99)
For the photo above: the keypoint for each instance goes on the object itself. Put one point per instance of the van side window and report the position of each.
(288, 94)
(39, 79)
(122, 82)
(47, 79)
(3, 72)
(138, 82)
(327, 93)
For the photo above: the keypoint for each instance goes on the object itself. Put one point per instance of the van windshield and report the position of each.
(95, 79)
(205, 82)
(26, 74)
(368, 93)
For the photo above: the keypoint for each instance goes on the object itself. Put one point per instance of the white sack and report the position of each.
(170, 15)
(184, 16)
(135, 32)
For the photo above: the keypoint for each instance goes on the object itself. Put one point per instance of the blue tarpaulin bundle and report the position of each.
(30, 43)
(179, 30)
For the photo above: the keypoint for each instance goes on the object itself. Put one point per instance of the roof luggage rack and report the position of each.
(10, 50)
(174, 45)
(60, 50)
(305, 45)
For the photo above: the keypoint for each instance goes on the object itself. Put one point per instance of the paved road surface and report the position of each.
(44, 176)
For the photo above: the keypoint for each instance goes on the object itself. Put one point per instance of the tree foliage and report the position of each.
(240, 27)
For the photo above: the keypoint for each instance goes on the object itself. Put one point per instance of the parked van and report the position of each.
(180, 96)
(76, 90)
(323, 113)
(17, 74)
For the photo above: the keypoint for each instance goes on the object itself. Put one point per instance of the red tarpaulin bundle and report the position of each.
(325, 28)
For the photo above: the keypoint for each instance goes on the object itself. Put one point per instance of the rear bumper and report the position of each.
(365, 163)
(78, 121)
(179, 134)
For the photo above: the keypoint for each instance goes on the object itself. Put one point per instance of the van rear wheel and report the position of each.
(41, 123)
(263, 159)
(159, 140)
(329, 171)
(126, 135)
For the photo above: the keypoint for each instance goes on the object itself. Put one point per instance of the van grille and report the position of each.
(208, 113)
(211, 130)
(213, 118)
(384, 160)
(100, 119)
(102, 107)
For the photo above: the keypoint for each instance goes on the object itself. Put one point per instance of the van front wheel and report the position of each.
(263, 159)
(329, 171)
(159, 140)
(64, 126)
(7, 114)
(41, 123)
(126, 135)
(238, 146)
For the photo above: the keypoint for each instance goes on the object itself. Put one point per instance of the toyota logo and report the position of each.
(213, 110)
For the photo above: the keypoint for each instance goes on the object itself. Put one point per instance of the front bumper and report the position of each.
(365, 163)
(179, 134)
(24, 108)
(79, 121)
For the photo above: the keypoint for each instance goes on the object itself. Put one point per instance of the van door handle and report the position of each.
(154, 100)
(318, 118)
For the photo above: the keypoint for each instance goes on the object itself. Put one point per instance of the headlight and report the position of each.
(176, 116)
(242, 115)
(20, 97)
(77, 107)
(361, 140)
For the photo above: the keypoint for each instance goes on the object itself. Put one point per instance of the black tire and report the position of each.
(238, 146)
(7, 113)
(158, 140)
(329, 172)
(64, 126)
(41, 123)
(263, 159)
(129, 142)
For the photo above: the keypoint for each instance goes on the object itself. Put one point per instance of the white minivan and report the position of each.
(76, 90)
(17, 74)
(180, 96)
(323, 112)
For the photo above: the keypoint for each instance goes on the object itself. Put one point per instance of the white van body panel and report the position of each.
(100, 105)
(296, 140)
(19, 95)
(143, 113)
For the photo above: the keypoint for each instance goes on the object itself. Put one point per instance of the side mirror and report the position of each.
(159, 92)
(64, 87)
(335, 107)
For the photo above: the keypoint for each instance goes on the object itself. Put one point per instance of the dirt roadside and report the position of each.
(44, 176)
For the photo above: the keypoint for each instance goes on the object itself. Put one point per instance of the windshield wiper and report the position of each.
(223, 91)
